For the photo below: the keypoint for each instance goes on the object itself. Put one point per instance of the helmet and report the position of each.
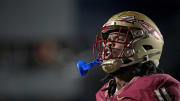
(138, 36)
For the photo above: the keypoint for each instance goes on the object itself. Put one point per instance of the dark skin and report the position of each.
(123, 77)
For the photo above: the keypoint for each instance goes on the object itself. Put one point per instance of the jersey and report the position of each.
(155, 87)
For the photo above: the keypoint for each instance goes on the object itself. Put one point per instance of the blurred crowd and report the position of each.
(43, 70)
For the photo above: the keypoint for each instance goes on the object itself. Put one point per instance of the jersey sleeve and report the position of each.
(172, 91)
(169, 90)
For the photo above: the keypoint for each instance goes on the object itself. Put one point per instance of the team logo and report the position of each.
(129, 19)
(151, 29)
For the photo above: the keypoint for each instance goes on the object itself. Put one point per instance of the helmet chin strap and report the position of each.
(144, 59)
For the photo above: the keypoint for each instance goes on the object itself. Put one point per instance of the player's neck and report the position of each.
(123, 78)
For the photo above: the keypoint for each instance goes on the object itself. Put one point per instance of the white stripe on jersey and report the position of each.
(159, 95)
(168, 98)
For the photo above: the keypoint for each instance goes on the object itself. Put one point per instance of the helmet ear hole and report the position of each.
(147, 47)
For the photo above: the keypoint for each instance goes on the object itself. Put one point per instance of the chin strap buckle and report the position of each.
(146, 58)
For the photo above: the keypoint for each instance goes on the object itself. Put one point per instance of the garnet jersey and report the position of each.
(156, 87)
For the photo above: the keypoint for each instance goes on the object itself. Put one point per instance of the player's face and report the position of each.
(114, 46)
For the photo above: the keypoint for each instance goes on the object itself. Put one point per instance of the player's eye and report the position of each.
(121, 38)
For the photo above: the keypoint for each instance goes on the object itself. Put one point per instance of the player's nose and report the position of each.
(110, 44)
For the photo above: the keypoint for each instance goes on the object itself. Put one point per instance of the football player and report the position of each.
(130, 45)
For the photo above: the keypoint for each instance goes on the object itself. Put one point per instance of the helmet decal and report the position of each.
(129, 19)
(151, 29)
